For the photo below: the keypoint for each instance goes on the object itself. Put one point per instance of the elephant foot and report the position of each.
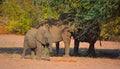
(47, 59)
(91, 54)
(76, 54)
(66, 56)
(22, 57)
(57, 53)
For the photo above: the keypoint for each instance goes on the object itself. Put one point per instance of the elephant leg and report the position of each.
(50, 48)
(24, 52)
(39, 50)
(57, 47)
(91, 50)
(33, 53)
(76, 47)
(67, 48)
(24, 49)
(66, 38)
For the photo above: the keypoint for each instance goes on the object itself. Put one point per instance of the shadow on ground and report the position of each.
(11, 50)
(105, 53)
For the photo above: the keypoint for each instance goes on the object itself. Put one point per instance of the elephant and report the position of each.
(59, 32)
(39, 39)
(89, 37)
(43, 41)
(29, 42)
(81, 35)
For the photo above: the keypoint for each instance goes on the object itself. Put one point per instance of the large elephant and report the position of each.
(91, 36)
(59, 32)
(39, 39)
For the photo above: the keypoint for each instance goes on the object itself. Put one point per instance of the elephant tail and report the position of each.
(100, 41)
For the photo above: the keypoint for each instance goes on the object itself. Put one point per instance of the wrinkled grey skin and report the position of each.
(59, 32)
(30, 42)
(43, 41)
(37, 39)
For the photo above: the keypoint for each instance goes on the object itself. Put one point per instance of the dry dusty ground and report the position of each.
(108, 56)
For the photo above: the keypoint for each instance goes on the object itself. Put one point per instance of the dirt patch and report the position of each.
(2, 30)
(11, 49)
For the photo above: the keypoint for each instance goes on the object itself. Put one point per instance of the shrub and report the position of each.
(111, 31)
(22, 16)
(18, 27)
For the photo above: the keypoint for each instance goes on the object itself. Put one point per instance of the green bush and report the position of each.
(18, 27)
(22, 16)
(111, 30)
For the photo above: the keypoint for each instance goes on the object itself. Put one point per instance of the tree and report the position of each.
(85, 12)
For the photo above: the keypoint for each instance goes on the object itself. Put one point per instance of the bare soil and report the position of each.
(108, 56)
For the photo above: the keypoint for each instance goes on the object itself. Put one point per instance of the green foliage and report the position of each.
(22, 16)
(49, 13)
(19, 27)
(87, 12)
(111, 31)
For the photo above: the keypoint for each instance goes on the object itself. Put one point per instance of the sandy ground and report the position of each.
(108, 56)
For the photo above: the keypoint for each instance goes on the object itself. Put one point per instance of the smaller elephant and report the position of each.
(37, 39)
(43, 41)
(30, 42)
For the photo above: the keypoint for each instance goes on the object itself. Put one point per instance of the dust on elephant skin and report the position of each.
(59, 32)
(37, 39)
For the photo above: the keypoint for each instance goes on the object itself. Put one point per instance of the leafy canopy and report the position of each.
(24, 14)
(84, 10)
